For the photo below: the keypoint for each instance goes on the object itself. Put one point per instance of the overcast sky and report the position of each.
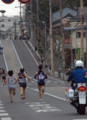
(10, 8)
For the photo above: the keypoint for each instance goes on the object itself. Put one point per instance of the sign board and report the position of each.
(7, 1)
(24, 1)
(67, 43)
(78, 53)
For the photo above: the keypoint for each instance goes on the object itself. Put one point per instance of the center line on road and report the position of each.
(11, 57)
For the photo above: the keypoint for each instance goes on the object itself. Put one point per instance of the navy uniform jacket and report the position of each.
(78, 75)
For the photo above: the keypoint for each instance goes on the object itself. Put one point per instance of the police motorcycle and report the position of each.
(77, 95)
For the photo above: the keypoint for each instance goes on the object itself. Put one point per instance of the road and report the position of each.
(53, 106)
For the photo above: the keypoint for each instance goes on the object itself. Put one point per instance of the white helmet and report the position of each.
(79, 63)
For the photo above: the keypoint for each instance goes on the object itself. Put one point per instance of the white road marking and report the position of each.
(31, 54)
(1, 107)
(5, 60)
(1, 104)
(64, 87)
(4, 114)
(42, 107)
(56, 79)
(39, 105)
(2, 111)
(55, 96)
(49, 110)
(50, 95)
(80, 119)
(6, 118)
(16, 54)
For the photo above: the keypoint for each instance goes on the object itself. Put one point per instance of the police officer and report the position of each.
(79, 74)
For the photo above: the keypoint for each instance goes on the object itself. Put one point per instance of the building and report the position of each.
(9, 26)
(67, 13)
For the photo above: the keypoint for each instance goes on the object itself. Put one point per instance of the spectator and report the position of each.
(35, 48)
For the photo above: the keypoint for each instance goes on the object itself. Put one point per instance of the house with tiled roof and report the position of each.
(67, 13)
(72, 39)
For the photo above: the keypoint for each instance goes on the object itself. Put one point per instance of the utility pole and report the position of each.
(86, 42)
(37, 26)
(82, 34)
(51, 40)
(62, 40)
(31, 23)
(20, 22)
(15, 29)
(45, 39)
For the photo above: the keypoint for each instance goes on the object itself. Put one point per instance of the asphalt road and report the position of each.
(53, 106)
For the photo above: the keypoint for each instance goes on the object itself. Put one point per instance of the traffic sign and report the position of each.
(7, 1)
(24, 1)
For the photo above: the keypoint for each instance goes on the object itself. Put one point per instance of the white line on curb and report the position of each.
(50, 95)
(31, 53)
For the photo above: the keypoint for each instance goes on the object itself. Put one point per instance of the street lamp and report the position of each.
(2, 11)
(31, 22)
(44, 22)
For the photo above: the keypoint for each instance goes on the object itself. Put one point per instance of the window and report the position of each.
(84, 34)
(9, 20)
(2, 20)
(78, 35)
(3, 25)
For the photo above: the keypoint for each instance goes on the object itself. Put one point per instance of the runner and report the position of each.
(40, 76)
(11, 84)
(3, 76)
(22, 82)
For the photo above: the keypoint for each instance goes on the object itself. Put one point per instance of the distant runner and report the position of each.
(11, 84)
(3, 77)
(40, 76)
(1, 50)
(0, 72)
(22, 82)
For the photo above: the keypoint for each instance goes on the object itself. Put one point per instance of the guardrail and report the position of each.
(34, 49)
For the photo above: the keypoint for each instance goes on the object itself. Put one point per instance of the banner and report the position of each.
(78, 53)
